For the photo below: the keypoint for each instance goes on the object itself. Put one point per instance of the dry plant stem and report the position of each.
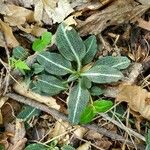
(57, 115)
(123, 127)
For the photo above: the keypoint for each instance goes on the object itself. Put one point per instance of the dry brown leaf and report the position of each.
(118, 12)
(23, 89)
(2, 43)
(19, 140)
(144, 24)
(16, 15)
(60, 130)
(9, 37)
(84, 146)
(136, 97)
(34, 30)
(57, 11)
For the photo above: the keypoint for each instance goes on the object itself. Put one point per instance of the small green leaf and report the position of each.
(102, 105)
(28, 112)
(96, 91)
(54, 63)
(19, 53)
(67, 147)
(49, 84)
(91, 49)
(36, 147)
(69, 43)
(77, 101)
(85, 83)
(103, 74)
(72, 77)
(1, 147)
(87, 115)
(41, 43)
(37, 68)
(118, 62)
(19, 64)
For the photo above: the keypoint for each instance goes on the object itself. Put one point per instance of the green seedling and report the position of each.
(58, 70)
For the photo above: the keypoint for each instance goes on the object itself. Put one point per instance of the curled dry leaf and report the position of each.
(23, 89)
(18, 141)
(34, 30)
(117, 12)
(9, 37)
(137, 99)
(60, 130)
(56, 10)
(84, 146)
(16, 15)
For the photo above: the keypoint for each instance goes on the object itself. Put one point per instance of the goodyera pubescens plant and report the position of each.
(70, 68)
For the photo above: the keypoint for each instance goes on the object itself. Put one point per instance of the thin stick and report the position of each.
(56, 114)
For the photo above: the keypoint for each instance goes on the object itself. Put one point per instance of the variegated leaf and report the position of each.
(49, 84)
(77, 101)
(103, 74)
(69, 43)
(54, 63)
(118, 62)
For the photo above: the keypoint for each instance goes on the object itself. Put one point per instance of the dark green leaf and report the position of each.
(41, 43)
(69, 43)
(103, 74)
(85, 83)
(102, 105)
(91, 48)
(118, 62)
(96, 91)
(49, 84)
(72, 77)
(36, 147)
(19, 53)
(28, 112)
(87, 115)
(77, 101)
(37, 68)
(1, 147)
(54, 63)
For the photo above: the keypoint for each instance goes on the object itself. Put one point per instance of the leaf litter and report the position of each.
(105, 18)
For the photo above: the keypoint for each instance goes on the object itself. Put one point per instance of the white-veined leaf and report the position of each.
(54, 63)
(118, 62)
(77, 101)
(49, 84)
(91, 48)
(103, 74)
(69, 43)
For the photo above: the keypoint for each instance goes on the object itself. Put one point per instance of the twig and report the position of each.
(123, 127)
(57, 115)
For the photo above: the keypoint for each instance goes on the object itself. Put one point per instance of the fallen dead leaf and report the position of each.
(57, 11)
(34, 30)
(136, 97)
(84, 146)
(23, 89)
(16, 15)
(60, 130)
(144, 24)
(9, 37)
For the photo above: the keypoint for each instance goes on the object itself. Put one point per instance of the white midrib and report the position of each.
(119, 64)
(58, 65)
(72, 49)
(77, 102)
(57, 86)
(100, 74)
(90, 46)
(29, 114)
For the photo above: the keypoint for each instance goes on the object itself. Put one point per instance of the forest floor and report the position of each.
(38, 119)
